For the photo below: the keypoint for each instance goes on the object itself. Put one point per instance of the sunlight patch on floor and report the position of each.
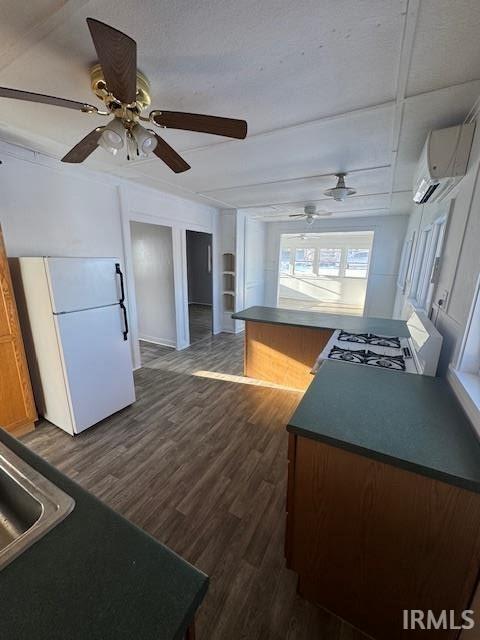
(228, 377)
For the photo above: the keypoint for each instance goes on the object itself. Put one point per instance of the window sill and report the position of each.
(466, 387)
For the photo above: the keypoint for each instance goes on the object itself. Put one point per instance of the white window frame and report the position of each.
(427, 263)
(406, 263)
(464, 375)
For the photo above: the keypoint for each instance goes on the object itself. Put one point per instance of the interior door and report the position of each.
(17, 408)
(82, 283)
(97, 362)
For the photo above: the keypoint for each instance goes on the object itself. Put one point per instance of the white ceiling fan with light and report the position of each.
(311, 213)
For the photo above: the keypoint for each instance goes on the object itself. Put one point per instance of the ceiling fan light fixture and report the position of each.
(340, 192)
(145, 139)
(113, 136)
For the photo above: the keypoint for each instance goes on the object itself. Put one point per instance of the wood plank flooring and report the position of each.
(200, 321)
(199, 461)
(150, 351)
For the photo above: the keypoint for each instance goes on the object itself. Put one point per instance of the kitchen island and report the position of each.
(383, 505)
(282, 345)
(96, 576)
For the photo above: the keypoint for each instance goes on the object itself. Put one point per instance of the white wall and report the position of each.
(254, 268)
(48, 208)
(389, 233)
(152, 255)
(460, 264)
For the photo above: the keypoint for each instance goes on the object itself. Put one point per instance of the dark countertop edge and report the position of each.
(238, 315)
(49, 471)
(196, 603)
(406, 465)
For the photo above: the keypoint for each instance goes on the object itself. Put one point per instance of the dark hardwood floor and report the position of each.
(150, 351)
(199, 461)
(200, 321)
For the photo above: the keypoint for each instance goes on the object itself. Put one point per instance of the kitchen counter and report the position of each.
(95, 576)
(407, 420)
(314, 320)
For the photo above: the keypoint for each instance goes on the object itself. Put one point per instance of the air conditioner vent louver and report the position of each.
(443, 162)
(429, 192)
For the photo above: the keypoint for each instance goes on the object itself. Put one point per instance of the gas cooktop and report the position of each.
(371, 358)
(385, 352)
(369, 338)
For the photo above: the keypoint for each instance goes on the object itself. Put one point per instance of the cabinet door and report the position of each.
(17, 408)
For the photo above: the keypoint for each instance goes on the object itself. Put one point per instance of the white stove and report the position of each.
(417, 354)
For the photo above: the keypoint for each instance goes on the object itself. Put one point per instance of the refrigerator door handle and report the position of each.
(122, 300)
(122, 287)
(125, 318)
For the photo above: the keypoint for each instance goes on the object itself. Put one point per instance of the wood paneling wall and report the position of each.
(17, 407)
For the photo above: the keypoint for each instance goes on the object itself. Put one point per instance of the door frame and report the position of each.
(180, 279)
(212, 261)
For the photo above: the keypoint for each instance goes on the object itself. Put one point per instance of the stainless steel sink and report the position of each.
(30, 505)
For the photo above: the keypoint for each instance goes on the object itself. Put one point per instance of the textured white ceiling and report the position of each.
(325, 87)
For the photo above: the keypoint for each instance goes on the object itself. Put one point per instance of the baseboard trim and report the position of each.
(163, 342)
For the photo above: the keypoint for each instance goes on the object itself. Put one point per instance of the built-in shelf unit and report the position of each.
(228, 279)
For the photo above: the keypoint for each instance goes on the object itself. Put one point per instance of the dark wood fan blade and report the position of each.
(117, 54)
(204, 124)
(17, 94)
(85, 147)
(171, 158)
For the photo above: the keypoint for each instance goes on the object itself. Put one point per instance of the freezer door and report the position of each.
(82, 283)
(97, 363)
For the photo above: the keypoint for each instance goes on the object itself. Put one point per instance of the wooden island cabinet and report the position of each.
(282, 345)
(369, 540)
(383, 500)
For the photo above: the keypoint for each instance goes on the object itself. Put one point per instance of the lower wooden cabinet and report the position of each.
(17, 407)
(369, 540)
(283, 354)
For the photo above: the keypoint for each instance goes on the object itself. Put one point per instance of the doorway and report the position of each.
(152, 256)
(325, 272)
(200, 285)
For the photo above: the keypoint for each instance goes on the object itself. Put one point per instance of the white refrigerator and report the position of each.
(75, 323)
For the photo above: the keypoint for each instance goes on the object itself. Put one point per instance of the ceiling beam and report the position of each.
(297, 179)
(404, 64)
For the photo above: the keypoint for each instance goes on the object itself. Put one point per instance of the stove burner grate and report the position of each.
(348, 355)
(395, 363)
(361, 338)
(369, 338)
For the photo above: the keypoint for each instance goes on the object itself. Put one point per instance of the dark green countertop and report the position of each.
(407, 420)
(312, 319)
(95, 576)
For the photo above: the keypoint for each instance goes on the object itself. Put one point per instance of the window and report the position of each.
(286, 261)
(465, 376)
(357, 263)
(329, 261)
(406, 263)
(304, 261)
(427, 264)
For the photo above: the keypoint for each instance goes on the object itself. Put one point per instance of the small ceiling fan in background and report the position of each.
(310, 213)
(125, 91)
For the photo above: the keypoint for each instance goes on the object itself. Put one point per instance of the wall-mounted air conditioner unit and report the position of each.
(443, 162)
